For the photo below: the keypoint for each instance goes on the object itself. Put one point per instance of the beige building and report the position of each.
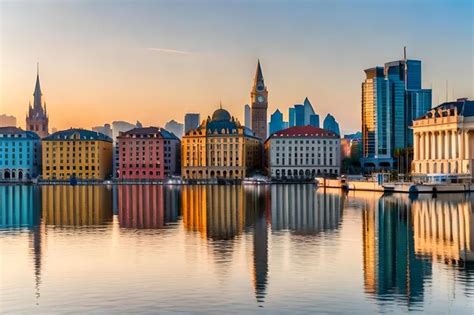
(444, 142)
(220, 148)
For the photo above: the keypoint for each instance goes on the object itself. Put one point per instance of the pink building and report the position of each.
(148, 154)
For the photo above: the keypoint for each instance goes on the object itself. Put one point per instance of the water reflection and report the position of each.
(19, 206)
(300, 209)
(76, 205)
(147, 206)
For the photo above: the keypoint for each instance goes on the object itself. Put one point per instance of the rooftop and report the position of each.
(163, 133)
(304, 131)
(18, 131)
(78, 134)
(463, 107)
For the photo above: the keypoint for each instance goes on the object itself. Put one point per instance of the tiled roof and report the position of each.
(83, 135)
(304, 131)
(163, 133)
(18, 131)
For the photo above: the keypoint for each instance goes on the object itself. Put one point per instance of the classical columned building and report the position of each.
(444, 141)
(220, 148)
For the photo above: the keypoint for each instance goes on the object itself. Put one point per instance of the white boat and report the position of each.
(256, 180)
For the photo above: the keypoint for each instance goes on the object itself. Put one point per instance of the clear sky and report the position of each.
(156, 60)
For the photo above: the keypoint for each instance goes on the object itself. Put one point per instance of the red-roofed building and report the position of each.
(303, 152)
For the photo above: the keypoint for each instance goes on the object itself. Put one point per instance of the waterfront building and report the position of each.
(175, 127)
(331, 124)
(276, 122)
(76, 153)
(444, 141)
(220, 148)
(191, 121)
(392, 98)
(247, 116)
(118, 127)
(303, 115)
(7, 121)
(37, 119)
(259, 100)
(148, 154)
(20, 154)
(303, 153)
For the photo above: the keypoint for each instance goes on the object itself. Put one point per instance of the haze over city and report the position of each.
(155, 61)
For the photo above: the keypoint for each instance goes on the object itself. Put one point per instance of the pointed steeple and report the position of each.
(37, 93)
(258, 73)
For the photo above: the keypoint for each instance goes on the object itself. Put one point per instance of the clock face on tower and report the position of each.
(260, 99)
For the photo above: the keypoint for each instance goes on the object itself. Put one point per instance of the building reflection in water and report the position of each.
(76, 205)
(391, 268)
(20, 208)
(220, 214)
(147, 206)
(302, 210)
(444, 227)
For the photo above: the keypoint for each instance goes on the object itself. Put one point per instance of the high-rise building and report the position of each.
(303, 115)
(175, 127)
(37, 119)
(247, 116)
(276, 122)
(191, 121)
(259, 100)
(331, 124)
(7, 121)
(392, 98)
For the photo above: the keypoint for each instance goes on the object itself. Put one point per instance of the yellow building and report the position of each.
(220, 148)
(76, 153)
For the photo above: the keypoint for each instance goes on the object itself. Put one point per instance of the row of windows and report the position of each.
(80, 143)
(69, 161)
(18, 162)
(67, 167)
(306, 141)
(277, 148)
(71, 149)
(68, 175)
(300, 162)
(151, 173)
(15, 143)
(157, 165)
(283, 155)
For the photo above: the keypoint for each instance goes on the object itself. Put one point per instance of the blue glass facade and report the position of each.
(331, 124)
(303, 115)
(276, 122)
(20, 154)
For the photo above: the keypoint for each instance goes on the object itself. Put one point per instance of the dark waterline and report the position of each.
(233, 249)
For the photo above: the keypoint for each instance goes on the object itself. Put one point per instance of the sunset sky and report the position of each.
(156, 60)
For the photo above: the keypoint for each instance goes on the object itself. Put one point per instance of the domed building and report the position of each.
(220, 148)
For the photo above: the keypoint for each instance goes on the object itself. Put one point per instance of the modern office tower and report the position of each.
(76, 153)
(444, 142)
(220, 148)
(392, 98)
(303, 152)
(20, 156)
(191, 121)
(303, 115)
(148, 154)
(175, 127)
(259, 100)
(37, 119)
(7, 121)
(331, 124)
(247, 116)
(106, 129)
(276, 122)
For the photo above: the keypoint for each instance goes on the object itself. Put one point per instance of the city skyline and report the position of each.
(99, 76)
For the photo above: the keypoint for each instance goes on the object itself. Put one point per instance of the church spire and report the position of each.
(37, 93)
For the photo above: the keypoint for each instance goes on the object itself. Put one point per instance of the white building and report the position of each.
(444, 142)
(303, 152)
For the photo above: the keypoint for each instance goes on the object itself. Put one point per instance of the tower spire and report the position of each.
(258, 73)
(37, 93)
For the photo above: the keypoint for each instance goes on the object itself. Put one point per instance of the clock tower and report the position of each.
(259, 101)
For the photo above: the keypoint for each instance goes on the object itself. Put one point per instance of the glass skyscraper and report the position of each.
(276, 122)
(303, 115)
(392, 98)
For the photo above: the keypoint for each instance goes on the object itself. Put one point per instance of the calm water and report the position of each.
(210, 249)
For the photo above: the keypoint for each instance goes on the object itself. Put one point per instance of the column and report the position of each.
(421, 155)
(461, 145)
(439, 144)
(427, 145)
(416, 146)
(454, 145)
(466, 144)
(447, 145)
(433, 146)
